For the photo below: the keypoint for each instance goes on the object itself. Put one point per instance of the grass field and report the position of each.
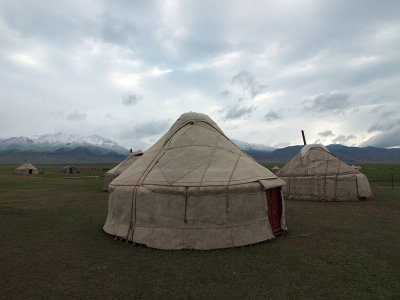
(53, 246)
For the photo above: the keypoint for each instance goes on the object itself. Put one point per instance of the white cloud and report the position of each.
(77, 116)
(25, 60)
(245, 64)
(157, 72)
(124, 80)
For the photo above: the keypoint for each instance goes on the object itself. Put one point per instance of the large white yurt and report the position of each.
(195, 189)
(25, 169)
(122, 166)
(315, 174)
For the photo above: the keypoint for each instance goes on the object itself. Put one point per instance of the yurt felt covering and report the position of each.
(193, 189)
(315, 174)
(122, 166)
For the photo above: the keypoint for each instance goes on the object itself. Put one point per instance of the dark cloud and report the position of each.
(225, 94)
(117, 29)
(328, 103)
(77, 116)
(272, 116)
(390, 138)
(237, 112)
(248, 83)
(343, 139)
(384, 125)
(377, 108)
(37, 20)
(326, 133)
(147, 129)
(389, 135)
(131, 98)
(381, 70)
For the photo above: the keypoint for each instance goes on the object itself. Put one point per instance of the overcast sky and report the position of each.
(263, 70)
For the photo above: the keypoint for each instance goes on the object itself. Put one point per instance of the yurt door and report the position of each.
(70, 170)
(30, 171)
(274, 210)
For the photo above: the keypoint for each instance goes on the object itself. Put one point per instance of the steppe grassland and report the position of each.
(52, 245)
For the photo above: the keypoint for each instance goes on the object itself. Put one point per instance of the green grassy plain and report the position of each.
(53, 246)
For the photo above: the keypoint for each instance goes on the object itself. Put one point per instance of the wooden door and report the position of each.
(274, 201)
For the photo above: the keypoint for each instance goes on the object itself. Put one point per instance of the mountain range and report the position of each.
(53, 142)
(70, 148)
(60, 148)
(252, 147)
(349, 155)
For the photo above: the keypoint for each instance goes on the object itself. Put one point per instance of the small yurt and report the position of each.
(195, 189)
(315, 174)
(70, 170)
(25, 169)
(358, 168)
(275, 169)
(118, 169)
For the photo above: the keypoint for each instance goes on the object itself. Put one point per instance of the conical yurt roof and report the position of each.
(195, 155)
(26, 166)
(121, 167)
(315, 159)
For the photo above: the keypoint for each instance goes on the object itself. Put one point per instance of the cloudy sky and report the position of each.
(263, 70)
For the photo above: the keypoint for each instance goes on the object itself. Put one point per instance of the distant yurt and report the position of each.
(195, 189)
(358, 168)
(315, 174)
(70, 170)
(275, 169)
(118, 169)
(25, 169)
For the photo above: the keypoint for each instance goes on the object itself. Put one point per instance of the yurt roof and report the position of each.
(315, 160)
(25, 166)
(69, 167)
(127, 161)
(308, 147)
(195, 152)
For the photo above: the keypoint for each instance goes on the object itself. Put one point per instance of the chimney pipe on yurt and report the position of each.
(304, 138)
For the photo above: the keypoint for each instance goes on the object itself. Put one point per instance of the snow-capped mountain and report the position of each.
(257, 147)
(57, 141)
